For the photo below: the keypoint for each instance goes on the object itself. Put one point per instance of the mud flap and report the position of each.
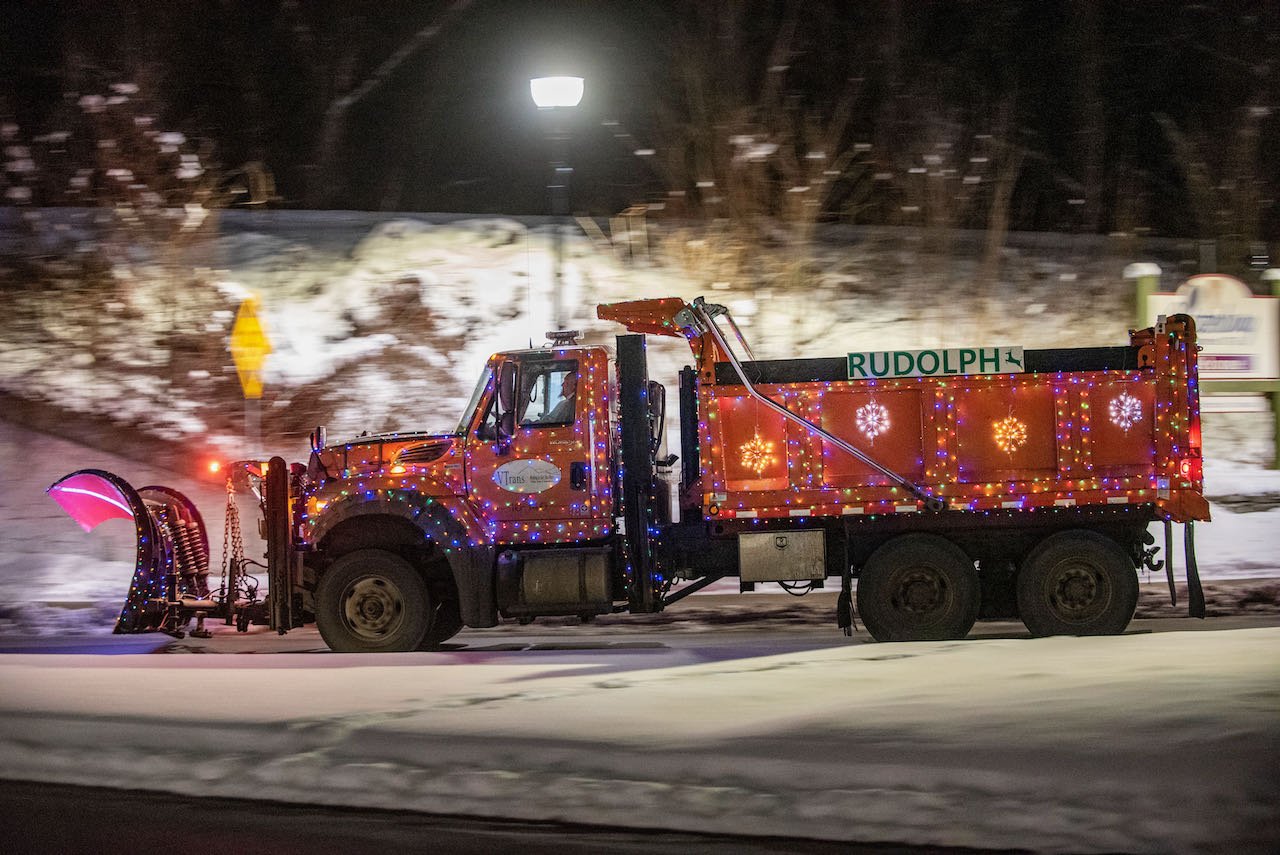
(1195, 593)
(172, 553)
(279, 546)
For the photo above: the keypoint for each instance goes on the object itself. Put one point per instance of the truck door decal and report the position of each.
(527, 476)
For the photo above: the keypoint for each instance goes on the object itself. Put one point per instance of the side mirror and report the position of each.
(657, 396)
(504, 404)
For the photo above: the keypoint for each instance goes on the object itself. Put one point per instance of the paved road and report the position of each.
(36, 818)
(696, 641)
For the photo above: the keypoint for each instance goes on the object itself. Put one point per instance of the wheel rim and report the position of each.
(373, 608)
(919, 593)
(1077, 592)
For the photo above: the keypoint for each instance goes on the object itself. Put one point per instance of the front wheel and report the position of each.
(1077, 583)
(919, 587)
(445, 625)
(371, 601)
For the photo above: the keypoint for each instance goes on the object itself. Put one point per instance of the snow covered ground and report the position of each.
(1144, 743)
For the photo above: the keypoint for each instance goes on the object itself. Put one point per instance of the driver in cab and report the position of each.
(563, 411)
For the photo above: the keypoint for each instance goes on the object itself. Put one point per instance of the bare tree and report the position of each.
(1222, 171)
(350, 89)
(1090, 112)
(743, 151)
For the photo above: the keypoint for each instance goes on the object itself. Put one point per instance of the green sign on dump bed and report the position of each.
(935, 363)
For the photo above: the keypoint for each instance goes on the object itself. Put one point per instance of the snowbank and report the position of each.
(1144, 743)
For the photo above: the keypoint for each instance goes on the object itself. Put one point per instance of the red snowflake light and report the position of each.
(1010, 434)
(757, 454)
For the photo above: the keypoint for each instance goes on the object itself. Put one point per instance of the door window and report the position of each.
(548, 393)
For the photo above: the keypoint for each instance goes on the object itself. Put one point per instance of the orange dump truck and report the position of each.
(943, 485)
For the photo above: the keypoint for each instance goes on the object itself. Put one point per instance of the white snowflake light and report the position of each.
(1126, 411)
(872, 419)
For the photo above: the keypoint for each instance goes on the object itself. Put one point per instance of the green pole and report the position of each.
(1146, 277)
(1272, 275)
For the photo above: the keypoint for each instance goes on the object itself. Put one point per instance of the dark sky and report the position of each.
(453, 129)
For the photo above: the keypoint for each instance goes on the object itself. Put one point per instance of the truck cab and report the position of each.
(537, 447)
(514, 515)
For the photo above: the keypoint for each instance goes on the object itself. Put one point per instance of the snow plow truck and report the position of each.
(942, 486)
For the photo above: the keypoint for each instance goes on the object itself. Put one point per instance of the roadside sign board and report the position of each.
(1237, 331)
(249, 347)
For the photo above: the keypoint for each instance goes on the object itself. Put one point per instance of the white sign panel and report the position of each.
(935, 363)
(1239, 334)
(527, 476)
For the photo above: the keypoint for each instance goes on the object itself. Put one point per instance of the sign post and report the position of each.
(1147, 279)
(249, 348)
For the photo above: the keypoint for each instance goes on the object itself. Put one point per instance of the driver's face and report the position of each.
(569, 385)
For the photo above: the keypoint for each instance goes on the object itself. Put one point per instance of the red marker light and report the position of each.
(215, 466)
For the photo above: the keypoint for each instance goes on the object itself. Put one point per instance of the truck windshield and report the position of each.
(470, 409)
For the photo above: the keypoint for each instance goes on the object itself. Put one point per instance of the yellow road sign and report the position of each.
(249, 347)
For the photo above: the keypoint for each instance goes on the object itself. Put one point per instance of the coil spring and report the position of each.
(194, 561)
(191, 561)
(199, 557)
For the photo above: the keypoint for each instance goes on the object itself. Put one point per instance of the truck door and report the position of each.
(538, 466)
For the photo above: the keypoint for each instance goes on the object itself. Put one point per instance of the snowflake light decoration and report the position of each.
(757, 454)
(872, 420)
(1010, 434)
(1126, 411)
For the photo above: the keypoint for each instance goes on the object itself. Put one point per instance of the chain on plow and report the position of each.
(242, 588)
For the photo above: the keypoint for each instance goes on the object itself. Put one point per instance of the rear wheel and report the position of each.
(1077, 583)
(919, 587)
(372, 601)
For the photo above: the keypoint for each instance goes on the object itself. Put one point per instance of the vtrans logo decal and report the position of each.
(935, 363)
(527, 476)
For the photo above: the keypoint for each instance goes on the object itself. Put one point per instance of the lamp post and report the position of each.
(554, 95)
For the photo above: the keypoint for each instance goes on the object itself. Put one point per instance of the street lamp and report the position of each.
(551, 92)
(554, 95)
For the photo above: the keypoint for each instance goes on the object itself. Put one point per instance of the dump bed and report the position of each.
(1113, 427)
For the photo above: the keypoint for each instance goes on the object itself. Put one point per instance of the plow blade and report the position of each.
(171, 563)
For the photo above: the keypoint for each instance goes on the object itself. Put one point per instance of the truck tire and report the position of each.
(1077, 583)
(372, 601)
(918, 587)
(445, 625)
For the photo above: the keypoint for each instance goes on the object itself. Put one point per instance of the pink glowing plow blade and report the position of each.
(172, 558)
(92, 497)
